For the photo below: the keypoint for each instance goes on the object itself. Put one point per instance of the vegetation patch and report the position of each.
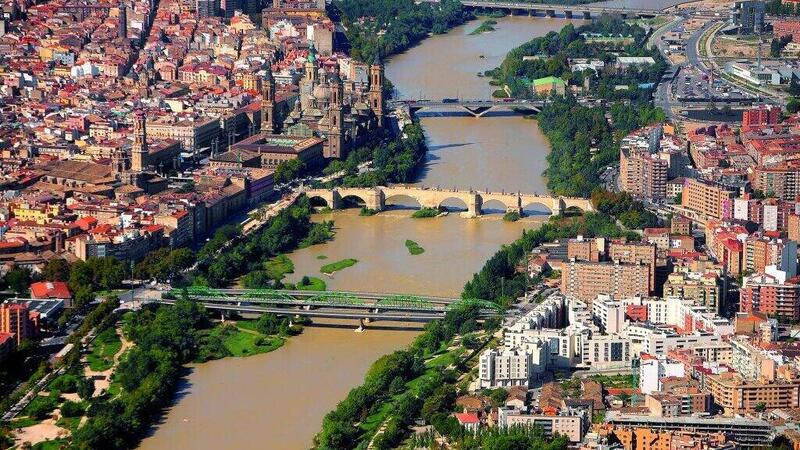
(278, 267)
(425, 213)
(311, 284)
(485, 27)
(414, 248)
(104, 347)
(337, 266)
(511, 216)
(322, 257)
(366, 212)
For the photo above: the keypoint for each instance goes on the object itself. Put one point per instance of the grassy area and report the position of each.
(617, 381)
(414, 248)
(322, 257)
(313, 284)
(242, 339)
(485, 27)
(55, 444)
(338, 265)
(70, 423)
(512, 216)
(24, 422)
(104, 347)
(278, 267)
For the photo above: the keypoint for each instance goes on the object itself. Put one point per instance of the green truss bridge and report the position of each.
(364, 306)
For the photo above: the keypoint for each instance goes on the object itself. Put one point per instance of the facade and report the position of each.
(643, 174)
(571, 425)
(15, 319)
(702, 288)
(781, 180)
(749, 16)
(761, 116)
(652, 370)
(586, 280)
(771, 294)
(504, 368)
(736, 396)
(275, 149)
(708, 199)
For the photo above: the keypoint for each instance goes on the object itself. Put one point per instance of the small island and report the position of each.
(414, 248)
(329, 269)
(485, 27)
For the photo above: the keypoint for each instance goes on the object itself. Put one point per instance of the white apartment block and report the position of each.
(653, 369)
(504, 368)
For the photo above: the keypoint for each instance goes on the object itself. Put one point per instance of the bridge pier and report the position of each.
(474, 206)
(568, 14)
(550, 13)
(587, 15)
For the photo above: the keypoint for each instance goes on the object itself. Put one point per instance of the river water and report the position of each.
(277, 400)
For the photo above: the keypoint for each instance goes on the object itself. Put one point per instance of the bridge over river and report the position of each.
(476, 107)
(375, 198)
(362, 306)
(569, 11)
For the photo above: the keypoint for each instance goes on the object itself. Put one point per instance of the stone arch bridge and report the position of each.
(375, 198)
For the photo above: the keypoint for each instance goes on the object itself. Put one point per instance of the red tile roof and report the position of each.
(50, 289)
(465, 418)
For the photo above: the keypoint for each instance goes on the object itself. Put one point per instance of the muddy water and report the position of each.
(277, 401)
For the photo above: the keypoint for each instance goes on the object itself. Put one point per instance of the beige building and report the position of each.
(643, 174)
(586, 280)
(275, 149)
(735, 395)
(569, 426)
(707, 199)
(703, 288)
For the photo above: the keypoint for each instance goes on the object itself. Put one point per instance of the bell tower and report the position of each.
(335, 145)
(139, 151)
(268, 119)
(376, 89)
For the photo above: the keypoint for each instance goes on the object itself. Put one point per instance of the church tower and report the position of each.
(119, 160)
(139, 152)
(268, 119)
(376, 89)
(335, 145)
(311, 65)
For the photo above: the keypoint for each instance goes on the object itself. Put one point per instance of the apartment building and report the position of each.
(735, 395)
(708, 199)
(586, 280)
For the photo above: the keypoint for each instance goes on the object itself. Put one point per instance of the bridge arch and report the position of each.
(402, 201)
(448, 202)
(352, 200)
(537, 208)
(494, 206)
(318, 200)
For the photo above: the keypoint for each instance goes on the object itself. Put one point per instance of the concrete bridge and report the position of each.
(475, 107)
(569, 11)
(376, 198)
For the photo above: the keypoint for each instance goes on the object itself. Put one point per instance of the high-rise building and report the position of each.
(643, 174)
(749, 16)
(15, 319)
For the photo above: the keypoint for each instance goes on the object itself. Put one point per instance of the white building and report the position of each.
(607, 352)
(653, 369)
(504, 368)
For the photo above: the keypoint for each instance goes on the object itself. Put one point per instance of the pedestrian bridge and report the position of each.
(475, 201)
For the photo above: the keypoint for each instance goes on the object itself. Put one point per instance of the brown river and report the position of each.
(276, 401)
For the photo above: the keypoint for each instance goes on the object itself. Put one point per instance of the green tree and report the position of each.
(18, 279)
(56, 269)
(793, 105)
(288, 170)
